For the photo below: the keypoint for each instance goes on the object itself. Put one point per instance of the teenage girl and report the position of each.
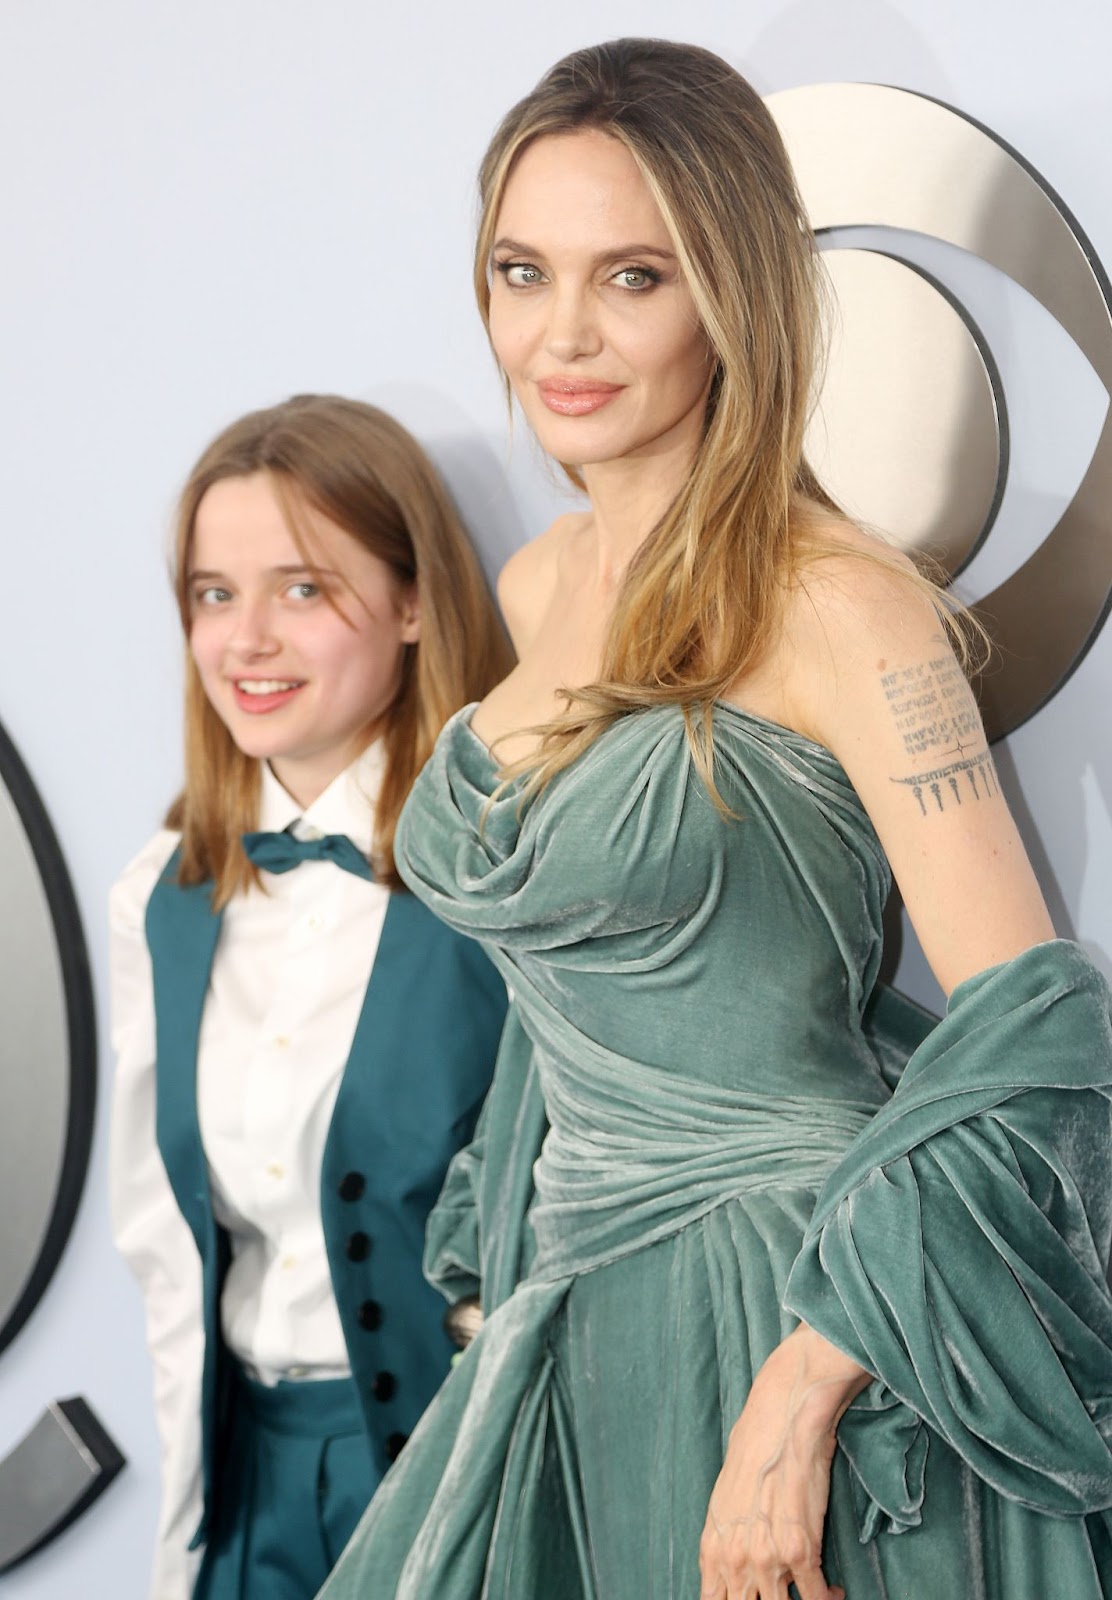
(301, 1045)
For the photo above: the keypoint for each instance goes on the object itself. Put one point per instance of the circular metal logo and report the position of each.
(911, 427)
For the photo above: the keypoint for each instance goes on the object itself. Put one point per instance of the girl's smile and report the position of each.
(257, 695)
(299, 650)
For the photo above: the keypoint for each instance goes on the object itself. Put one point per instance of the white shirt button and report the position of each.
(275, 1169)
(314, 922)
(288, 1262)
(308, 831)
(281, 1041)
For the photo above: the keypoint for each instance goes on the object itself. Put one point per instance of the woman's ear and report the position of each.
(409, 608)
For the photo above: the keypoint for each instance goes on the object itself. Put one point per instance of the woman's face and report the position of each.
(590, 317)
(297, 661)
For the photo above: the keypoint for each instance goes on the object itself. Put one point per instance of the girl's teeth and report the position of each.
(264, 685)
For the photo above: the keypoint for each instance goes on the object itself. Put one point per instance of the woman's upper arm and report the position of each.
(881, 687)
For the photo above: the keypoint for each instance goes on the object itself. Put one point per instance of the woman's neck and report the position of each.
(628, 498)
(631, 493)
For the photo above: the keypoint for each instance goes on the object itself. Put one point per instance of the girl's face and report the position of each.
(590, 317)
(298, 662)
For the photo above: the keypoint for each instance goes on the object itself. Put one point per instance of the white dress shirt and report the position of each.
(289, 976)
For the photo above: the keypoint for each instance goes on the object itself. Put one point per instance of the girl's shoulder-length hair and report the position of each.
(355, 465)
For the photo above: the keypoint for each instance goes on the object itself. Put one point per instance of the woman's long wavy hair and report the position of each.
(355, 465)
(701, 600)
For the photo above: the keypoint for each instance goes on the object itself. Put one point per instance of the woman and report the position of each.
(300, 1052)
(767, 1328)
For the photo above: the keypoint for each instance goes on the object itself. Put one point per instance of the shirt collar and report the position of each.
(346, 806)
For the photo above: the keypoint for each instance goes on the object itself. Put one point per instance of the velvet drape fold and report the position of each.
(692, 1142)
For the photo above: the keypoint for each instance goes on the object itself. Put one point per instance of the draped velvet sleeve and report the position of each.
(479, 1239)
(959, 1249)
(452, 1261)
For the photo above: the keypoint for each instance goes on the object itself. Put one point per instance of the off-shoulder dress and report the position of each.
(694, 1021)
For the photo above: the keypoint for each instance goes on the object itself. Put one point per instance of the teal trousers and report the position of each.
(296, 1480)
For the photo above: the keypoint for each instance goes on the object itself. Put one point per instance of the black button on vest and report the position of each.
(352, 1186)
(358, 1247)
(385, 1386)
(369, 1316)
(395, 1444)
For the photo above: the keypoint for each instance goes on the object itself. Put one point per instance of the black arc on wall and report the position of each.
(48, 1080)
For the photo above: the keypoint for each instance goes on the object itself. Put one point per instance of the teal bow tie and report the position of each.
(281, 852)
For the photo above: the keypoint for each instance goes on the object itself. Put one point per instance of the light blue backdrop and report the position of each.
(204, 208)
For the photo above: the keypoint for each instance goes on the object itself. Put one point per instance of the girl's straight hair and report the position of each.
(355, 465)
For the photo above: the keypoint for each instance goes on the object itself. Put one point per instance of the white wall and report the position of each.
(206, 207)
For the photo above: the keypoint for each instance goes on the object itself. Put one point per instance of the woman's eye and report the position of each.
(210, 595)
(303, 590)
(636, 278)
(520, 274)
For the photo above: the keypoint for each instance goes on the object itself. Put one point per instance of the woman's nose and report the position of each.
(572, 330)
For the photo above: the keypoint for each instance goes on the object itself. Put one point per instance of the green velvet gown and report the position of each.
(724, 1156)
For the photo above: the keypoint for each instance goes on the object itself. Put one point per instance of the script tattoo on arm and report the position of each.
(937, 719)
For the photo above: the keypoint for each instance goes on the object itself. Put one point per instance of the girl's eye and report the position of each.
(303, 590)
(520, 274)
(211, 595)
(636, 278)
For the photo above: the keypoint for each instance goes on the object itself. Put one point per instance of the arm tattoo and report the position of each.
(937, 719)
(942, 779)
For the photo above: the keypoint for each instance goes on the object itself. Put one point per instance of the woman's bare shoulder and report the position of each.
(528, 579)
(849, 583)
(852, 600)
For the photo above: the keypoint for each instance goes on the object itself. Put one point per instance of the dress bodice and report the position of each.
(624, 908)
(723, 1158)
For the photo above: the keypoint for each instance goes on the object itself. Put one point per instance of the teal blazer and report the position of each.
(420, 1064)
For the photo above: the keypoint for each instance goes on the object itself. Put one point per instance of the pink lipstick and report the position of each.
(576, 397)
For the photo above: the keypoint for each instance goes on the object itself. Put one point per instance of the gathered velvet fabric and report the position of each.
(692, 1051)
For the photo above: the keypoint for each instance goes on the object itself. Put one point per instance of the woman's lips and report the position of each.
(264, 698)
(576, 397)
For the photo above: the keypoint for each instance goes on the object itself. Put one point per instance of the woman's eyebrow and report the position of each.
(613, 253)
(636, 250)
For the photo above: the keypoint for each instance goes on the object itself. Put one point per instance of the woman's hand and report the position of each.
(765, 1521)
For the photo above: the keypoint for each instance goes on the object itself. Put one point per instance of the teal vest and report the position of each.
(419, 1067)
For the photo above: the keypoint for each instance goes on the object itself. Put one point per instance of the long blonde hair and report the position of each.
(701, 600)
(355, 465)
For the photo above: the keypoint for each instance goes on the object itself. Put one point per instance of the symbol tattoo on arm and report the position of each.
(980, 782)
(936, 716)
